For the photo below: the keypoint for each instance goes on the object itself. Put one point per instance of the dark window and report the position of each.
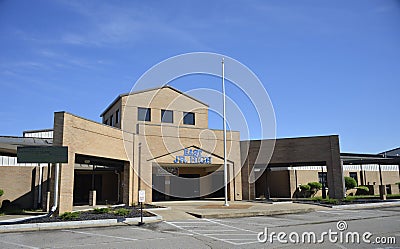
(188, 118)
(167, 116)
(117, 116)
(354, 176)
(322, 176)
(111, 120)
(144, 114)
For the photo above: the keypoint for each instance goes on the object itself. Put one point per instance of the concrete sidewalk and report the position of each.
(13, 217)
(181, 210)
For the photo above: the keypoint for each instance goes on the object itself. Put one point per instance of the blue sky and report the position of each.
(330, 67)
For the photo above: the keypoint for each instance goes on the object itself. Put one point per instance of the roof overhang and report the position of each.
(8, 145)
(352, 158)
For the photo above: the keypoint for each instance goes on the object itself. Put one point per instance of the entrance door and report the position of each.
(192, 191)
(82, 186)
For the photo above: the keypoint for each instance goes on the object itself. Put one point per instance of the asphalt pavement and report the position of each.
(245, 232)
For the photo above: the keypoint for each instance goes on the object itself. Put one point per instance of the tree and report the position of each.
(315, 185)
(349, 182)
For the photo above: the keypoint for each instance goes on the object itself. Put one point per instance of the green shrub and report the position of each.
(362, 190)
(122, 212)
(398, 183)
(69, 215)
(305, 187)
(101, 210)
(315, 185)
(1, 192)
(349, 182)
(393, 196)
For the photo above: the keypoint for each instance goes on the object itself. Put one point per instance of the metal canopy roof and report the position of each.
(350, 158)
(8, 145)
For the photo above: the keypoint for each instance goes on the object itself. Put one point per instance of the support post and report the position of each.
(224, 119)
(323, 184)
(382, 188)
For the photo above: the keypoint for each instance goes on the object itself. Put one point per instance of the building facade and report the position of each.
(158, 140)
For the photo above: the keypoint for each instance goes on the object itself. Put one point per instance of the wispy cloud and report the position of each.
(114, 24)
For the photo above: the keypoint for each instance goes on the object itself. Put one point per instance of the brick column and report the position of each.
(127, 181)
(334, 169)
(66, 177)
(292, 183)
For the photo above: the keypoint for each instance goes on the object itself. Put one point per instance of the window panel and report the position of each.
(188, 118)
(167, 116)
(117, 116)
(144, 114)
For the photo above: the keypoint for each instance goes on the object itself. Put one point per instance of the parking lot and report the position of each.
(218, 233)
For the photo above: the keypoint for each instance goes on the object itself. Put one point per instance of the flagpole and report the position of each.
(224, 118)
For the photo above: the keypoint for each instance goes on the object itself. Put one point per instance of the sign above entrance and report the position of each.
(192, 157)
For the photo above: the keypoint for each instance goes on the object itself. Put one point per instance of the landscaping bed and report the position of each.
(96, 214)
(362, 199)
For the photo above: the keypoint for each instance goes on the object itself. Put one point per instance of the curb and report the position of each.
(368, 205)
(75, 224)
(251, 214)
(354, 206)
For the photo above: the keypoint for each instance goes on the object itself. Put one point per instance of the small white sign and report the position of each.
(142, 196)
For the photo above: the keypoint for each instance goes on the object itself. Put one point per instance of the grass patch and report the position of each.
(69, 215)
(325, 201)
(101, 210)
(393, 196)
(122, 212)
(358, 197)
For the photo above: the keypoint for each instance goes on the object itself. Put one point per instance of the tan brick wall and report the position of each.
(306, 176)
(85, 137)
(388, 177)
(19, 184)
(164, 98)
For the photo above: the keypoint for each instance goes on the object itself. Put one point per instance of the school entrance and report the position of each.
(187, 182)
(100, 174)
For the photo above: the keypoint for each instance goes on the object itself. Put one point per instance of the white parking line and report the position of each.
(227, 238)
(338, 211)
(196, 225)
(16, 244)
(180, 233)
(238, 228)
(190, 222)
(100, 235)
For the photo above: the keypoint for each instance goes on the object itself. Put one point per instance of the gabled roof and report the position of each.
(148, 90)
